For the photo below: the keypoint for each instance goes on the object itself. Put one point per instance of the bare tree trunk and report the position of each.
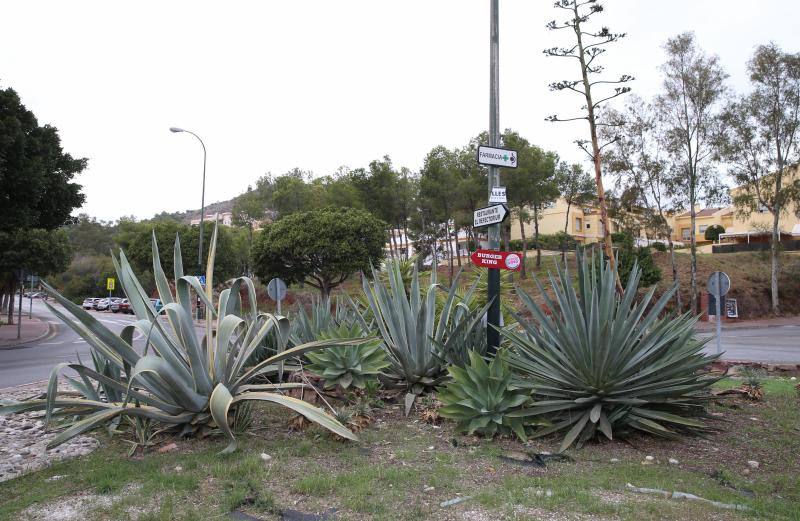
(675, 276)
(536, 238)
(775, 251)
(450, 249)
(392, 243)
(11, 303)
(524, 273)
(458, 249)
(693, 246)
(407, 245)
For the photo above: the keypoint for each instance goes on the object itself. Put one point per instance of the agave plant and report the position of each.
(604, 363)
(178, 379)
(348, 365)
(410, 327)
(309, 326)
(481, 398)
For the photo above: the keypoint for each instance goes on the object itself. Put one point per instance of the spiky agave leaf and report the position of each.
(481, 398)
(409, 326)
(605, 363)
(348, 365)
(178, 380)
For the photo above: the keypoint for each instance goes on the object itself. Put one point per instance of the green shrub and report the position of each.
(555, 241)
(629, 255)
(481, 398)
(712, 232)
(604, 363)
(659, 246)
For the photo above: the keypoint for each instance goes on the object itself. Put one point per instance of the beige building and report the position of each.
(757, 225)
(582, 222)
(681, 224)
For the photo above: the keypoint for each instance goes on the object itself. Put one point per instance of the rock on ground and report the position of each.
(23, 439)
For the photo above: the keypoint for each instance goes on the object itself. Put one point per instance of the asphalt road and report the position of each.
(774, 344)
(33, 362)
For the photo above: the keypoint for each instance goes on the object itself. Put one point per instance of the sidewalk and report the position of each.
(32, 330)
(749, 324)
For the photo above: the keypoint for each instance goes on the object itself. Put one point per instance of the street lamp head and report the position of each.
(176, 129)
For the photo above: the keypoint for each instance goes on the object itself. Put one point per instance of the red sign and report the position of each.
(504, 260)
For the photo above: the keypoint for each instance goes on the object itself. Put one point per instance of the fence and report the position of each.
(754, 246)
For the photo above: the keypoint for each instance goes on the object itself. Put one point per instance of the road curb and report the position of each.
(44, 336)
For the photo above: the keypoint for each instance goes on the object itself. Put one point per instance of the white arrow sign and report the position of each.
(498, 195)
(489, 215)
(497, 156)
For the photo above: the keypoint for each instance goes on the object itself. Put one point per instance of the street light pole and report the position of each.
(202, 196)
(493, 318)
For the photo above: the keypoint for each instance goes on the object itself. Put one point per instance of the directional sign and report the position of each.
(202, 280)
(497, 156)
(490, 215)
(503, 260)
(719, 284)
(498, 195)
(110, 283)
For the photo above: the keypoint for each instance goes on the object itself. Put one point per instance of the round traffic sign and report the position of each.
(719, 284)
(276, 289)
(513, 261)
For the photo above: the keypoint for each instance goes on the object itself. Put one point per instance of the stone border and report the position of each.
(51, 331)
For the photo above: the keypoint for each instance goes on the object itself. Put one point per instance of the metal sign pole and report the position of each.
(30, 303)
(493, 318)
(719, 316)
(19, 310)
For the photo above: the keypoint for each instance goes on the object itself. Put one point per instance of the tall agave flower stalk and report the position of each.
(603, 363)
(179, 379)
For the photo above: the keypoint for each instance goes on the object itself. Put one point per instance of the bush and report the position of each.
(659, 246)
(629, 255)
(713, 232)
(603, 364)
(555, 241)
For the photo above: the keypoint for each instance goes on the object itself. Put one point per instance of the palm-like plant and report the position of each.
(178, 380)
(604, 363)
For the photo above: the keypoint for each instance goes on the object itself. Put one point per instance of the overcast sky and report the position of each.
(317, 84)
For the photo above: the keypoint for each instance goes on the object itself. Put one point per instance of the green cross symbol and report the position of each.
(505, 157)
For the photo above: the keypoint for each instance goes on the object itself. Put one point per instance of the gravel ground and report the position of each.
(23, 438)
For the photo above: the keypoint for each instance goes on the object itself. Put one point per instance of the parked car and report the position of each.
(89, 303)
(103, 304)
(157, 304)
(121, 306)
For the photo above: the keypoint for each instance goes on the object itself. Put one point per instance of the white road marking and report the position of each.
(79, 342)
(50, 343)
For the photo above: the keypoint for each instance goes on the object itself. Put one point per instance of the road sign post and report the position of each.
(493, 317)
(276, 289)
(719, 283)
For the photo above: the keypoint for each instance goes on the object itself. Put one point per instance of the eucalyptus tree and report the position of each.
(689, 109)
(762, 130)
(586, 47)
(639, 163)
(575, 186)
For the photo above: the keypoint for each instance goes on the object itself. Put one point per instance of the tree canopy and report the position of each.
(321, 247)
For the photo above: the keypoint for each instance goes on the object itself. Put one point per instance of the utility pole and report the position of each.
(493, 318)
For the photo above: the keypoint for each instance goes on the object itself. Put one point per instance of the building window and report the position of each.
(588, 226)
(578, 224)
(686, 233)
(703, 228)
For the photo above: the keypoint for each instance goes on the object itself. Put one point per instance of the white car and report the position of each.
(88, 303)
